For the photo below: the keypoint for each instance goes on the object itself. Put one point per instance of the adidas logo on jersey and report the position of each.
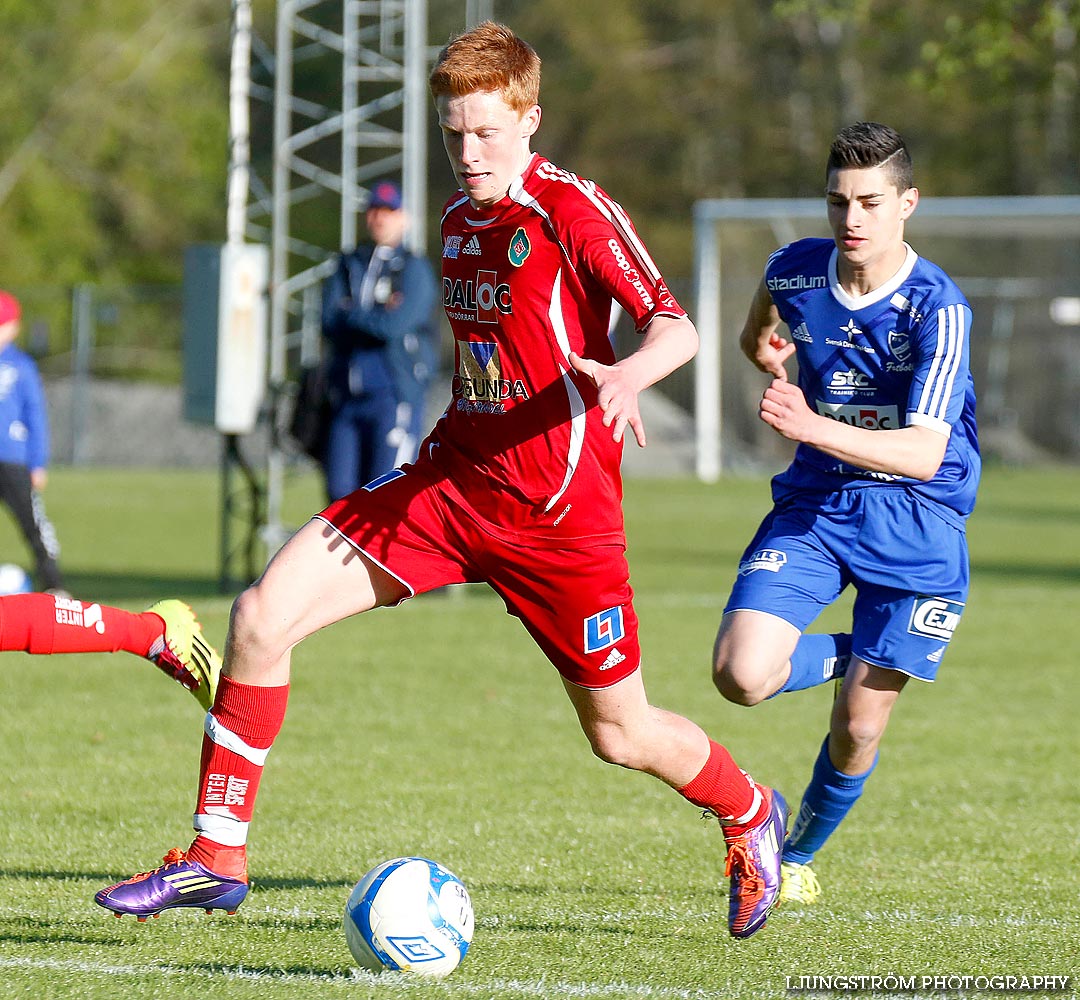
(472, 247)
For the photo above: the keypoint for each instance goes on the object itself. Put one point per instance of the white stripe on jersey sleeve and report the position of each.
(931, 386)
(958, 322)
(615, 214)
(776, 253)
(934, 401)
(608, 208)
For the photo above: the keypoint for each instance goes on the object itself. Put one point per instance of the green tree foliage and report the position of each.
(666, 103)
(113, 135)
(985, 89)
(113, 117)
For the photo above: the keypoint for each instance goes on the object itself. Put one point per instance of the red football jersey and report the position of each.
(526, 282)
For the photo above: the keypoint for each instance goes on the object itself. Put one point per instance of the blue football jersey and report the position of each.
(895, 357)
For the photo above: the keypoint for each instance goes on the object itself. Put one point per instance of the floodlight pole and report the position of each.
(414, 125)
(239, 123)
(233, 461)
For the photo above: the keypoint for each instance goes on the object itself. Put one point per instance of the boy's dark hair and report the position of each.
(871, 144)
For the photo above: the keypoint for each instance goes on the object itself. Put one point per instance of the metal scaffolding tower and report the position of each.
(335, 142)
(345, 87)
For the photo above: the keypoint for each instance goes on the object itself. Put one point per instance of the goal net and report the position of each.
(1017, 259)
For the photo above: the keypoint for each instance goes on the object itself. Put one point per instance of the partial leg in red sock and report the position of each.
(167, 634)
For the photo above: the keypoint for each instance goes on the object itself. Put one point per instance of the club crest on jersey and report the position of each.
(604, 629)
(935, 617)
(519, 249)
(899, 345)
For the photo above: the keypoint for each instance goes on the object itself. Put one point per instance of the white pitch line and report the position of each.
(387, 983)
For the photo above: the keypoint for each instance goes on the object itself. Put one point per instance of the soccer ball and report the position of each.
(409, 914)
(14, 580)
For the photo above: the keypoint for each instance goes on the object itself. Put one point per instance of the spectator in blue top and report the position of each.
(24, 447)
(378, 324)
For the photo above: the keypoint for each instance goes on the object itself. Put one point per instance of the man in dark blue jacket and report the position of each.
(377, 320)
(24, 447)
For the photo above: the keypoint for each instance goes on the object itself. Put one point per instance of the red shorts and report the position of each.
(576, 603)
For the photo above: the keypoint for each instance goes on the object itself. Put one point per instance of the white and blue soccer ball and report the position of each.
(14, 580)
(409, 915)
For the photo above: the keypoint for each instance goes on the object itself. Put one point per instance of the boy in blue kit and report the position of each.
(882, 483)
(24, 447)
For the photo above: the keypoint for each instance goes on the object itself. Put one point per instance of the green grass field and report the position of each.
(438, 729)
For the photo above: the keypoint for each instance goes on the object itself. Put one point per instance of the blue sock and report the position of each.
(818, 658)
(827, 800)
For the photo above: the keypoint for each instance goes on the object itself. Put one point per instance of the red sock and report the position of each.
(42, 623)
(723, 788)
(241, 728)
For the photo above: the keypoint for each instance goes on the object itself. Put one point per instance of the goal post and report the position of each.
(1017, 259)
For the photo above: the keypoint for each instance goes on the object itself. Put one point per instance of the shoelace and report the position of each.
(169, 663)
(803, 881)
(740, 860)
(174, 857)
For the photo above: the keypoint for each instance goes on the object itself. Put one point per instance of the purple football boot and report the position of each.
(753, 865)
(178, 882)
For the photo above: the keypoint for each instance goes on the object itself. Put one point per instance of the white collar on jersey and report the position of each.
(854, 302)
(513, 193)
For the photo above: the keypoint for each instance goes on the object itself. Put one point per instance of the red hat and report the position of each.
(9, 307)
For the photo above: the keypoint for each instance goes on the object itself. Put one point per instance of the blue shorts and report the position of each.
(908, 565)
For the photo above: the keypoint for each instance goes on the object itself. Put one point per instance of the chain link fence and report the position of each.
(111, 361)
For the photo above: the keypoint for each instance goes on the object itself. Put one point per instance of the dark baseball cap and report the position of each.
(385, 194)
